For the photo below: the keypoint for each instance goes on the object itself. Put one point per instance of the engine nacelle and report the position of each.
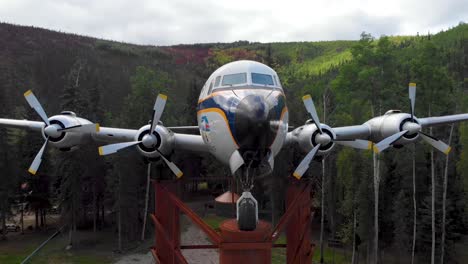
(165, 141)
(308, 136)
(67, 139)
(389, 124)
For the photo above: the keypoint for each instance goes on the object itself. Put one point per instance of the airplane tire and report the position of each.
(247, 217)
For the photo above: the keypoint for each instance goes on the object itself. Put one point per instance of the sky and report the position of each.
(169, 22)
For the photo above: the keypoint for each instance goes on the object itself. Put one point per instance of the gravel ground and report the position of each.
(191, 236)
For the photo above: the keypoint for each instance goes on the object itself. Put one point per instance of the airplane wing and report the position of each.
(379, 133)
(66, 131)
(113, 135)
(442, 120)
(24, 124)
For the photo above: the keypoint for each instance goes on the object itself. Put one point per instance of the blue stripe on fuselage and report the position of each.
(228, 105)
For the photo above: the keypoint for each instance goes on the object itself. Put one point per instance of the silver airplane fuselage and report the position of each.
(245, 116)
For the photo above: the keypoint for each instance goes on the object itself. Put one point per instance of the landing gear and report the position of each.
(247, 212)
(247, 206)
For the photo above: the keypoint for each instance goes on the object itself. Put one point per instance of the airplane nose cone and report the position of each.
(252, 129)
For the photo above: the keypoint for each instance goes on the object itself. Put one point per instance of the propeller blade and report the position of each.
(177, 172)
(235, 161)
(34, 103)
(113, 148)
(357, 143)
(304, 165)
(436, 143)
(385, 143)
(412, 97)
(87, 128)
(271, 160)
(158, 110)
(38, 159)
(309, 105)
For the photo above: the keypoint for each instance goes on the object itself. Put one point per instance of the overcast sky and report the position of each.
(170, 22)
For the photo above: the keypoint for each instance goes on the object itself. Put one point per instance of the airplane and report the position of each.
(243, 122)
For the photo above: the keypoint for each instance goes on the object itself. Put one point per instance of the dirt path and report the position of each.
(137, 258)
(191, 236)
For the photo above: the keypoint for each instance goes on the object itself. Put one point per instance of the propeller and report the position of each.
(322, 139)
(412, 128)
(51, 130)
(310, 107)
(304, 165)
(149, 140)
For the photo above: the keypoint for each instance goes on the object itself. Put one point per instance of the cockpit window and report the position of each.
(233, 79)
(218, 80)
(211, 88)
(264, 79)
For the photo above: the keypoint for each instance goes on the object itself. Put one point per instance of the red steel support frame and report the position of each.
(234, 245)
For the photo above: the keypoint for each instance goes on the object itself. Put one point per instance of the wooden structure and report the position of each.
(234, 246)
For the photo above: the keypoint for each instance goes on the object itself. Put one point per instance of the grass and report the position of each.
(18, 247)
(214, 221)
(278, 256)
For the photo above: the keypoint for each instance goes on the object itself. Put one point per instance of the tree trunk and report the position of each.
(432, 203)
(414, 205)
(322, 214)
(119, 226)
(353, 258)
(3, 224)
(70, 232)
(41, 215)
(376, 206)
(145, 215)
(37, 218)
(94, 209)
(22, 218)
(444, 199)
(103, 220)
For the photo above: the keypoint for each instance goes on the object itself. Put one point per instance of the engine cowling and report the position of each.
(164, 142)
(65, 140)
(308, 136)
(391, 123)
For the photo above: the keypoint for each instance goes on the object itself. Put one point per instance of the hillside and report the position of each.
(115, 84)
(40, 59)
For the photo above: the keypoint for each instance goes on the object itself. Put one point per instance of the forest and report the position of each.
(115, 84)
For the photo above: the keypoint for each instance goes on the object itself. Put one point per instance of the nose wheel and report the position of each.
(247, 206)
(247, 212)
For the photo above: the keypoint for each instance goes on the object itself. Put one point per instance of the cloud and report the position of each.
(184, 21)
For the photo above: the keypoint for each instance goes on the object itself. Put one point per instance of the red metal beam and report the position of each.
(198, 246)
(213, 235)
(289, 212)
(160, 228)
(250, 246)
(155, 255)
(180, 258)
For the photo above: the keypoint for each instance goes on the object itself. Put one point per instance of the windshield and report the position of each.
(264, 79)
(233, 79)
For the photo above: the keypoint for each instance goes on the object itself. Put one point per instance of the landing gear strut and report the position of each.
(247, 206)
